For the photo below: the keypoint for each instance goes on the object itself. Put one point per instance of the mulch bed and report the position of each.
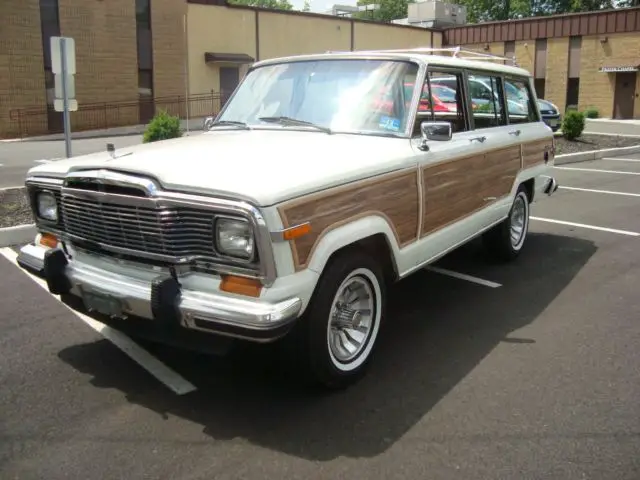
(14, 208)
(588, 142)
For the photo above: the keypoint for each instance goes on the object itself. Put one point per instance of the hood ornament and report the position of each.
(111, 148)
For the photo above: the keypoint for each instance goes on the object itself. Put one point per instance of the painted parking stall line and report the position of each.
(463, 276)
(592, 190)
(155, 367)
(584, 225)
(597, 170)
(616, 159)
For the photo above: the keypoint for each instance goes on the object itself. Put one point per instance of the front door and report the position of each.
(625, 95)
(229, 79)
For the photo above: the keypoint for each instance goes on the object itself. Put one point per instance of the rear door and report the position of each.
(535, 137)
(497, 145)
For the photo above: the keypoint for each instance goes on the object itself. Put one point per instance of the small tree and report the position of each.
(162, 127)
(591, 112)
(573, 124)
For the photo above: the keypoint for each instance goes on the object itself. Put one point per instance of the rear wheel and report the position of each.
(337, 335)
(506, 240)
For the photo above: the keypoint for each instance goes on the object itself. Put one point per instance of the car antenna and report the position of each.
(111, 149)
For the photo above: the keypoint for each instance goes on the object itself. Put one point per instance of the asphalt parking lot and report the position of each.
(521, 371)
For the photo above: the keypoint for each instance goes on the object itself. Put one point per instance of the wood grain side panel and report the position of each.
(533, 152)
(460, 187)
(393, 196)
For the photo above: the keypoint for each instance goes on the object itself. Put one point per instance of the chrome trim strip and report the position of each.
(163, 198)
(110, 177)
(278, 235)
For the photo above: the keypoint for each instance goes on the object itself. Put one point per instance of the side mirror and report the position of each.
(207, 123)
(435, 131)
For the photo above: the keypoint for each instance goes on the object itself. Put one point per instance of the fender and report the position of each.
(350, 233)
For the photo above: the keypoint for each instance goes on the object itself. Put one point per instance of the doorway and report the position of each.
(229, 79)
(625, 95)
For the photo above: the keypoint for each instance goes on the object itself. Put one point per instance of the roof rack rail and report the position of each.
(455, 52)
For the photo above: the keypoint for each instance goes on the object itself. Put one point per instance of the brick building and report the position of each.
(135, 56)
(586, 59)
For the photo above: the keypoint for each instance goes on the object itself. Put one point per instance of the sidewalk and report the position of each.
(612, 127)
(191, 124)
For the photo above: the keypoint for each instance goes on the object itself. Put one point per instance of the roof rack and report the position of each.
(455, 52)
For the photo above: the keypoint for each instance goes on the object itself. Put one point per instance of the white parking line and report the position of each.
(626, 194)
(582, 225)
(597, 170)
(615, 159)
(463, 276)
(154, 366)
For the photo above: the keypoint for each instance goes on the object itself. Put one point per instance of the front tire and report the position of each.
(338, 332)
(505, 241)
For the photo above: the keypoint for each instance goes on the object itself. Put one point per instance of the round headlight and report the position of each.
(47, 206)
(234, 237)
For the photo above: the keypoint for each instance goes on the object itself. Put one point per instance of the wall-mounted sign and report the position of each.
(621, 68)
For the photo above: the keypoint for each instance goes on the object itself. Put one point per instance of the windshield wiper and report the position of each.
(230, 122)
(294, 121)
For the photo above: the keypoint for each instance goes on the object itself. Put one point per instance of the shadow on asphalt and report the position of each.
(438, 329)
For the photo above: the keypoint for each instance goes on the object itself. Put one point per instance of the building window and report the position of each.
(538, 83)
(50, 27)
(573, 92)
(145, 60)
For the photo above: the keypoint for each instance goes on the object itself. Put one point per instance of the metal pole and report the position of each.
(65, 98)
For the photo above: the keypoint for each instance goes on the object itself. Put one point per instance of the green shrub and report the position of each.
(573, 124)
(162, 127)
(591, 112)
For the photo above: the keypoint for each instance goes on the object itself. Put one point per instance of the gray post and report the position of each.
(65, 98)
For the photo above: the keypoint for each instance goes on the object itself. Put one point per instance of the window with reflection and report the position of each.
(352, 95)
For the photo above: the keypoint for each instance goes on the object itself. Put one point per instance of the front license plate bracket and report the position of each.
(103, 303)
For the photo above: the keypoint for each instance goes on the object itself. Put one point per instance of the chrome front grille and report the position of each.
(167, 231)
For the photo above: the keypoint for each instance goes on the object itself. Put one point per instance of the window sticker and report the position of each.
(389, 123)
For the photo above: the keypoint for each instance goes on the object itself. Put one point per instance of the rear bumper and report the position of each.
(158, 298)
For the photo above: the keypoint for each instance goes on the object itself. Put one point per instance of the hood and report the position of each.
(263, 167)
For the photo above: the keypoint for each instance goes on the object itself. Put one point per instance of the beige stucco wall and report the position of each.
(282, 34)
(369, 36)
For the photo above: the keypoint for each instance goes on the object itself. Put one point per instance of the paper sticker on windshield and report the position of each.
(390, 123)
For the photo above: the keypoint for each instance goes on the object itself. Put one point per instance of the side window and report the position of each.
(486, 101)
(521, 106)
(442, 100)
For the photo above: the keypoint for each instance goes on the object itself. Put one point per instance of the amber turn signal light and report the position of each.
(48, 240)
(241, 285)
(296, 232)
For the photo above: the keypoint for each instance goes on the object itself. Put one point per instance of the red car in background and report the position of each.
(444, 99)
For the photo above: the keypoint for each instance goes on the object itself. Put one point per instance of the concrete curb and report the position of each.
(18, 235)
(595, 154)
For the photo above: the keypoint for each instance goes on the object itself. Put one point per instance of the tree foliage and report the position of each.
(307, 6)
(274, 4)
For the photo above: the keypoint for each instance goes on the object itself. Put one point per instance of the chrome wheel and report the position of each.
(354, 319)
(519, 220)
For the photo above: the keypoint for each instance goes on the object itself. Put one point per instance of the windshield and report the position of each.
(364, 96)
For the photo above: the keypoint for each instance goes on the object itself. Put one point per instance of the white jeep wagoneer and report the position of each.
(324, 178)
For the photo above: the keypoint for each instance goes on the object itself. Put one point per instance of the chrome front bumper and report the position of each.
(161, 300)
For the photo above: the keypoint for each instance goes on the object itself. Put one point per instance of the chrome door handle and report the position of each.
(515, 132)
(478, 139)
